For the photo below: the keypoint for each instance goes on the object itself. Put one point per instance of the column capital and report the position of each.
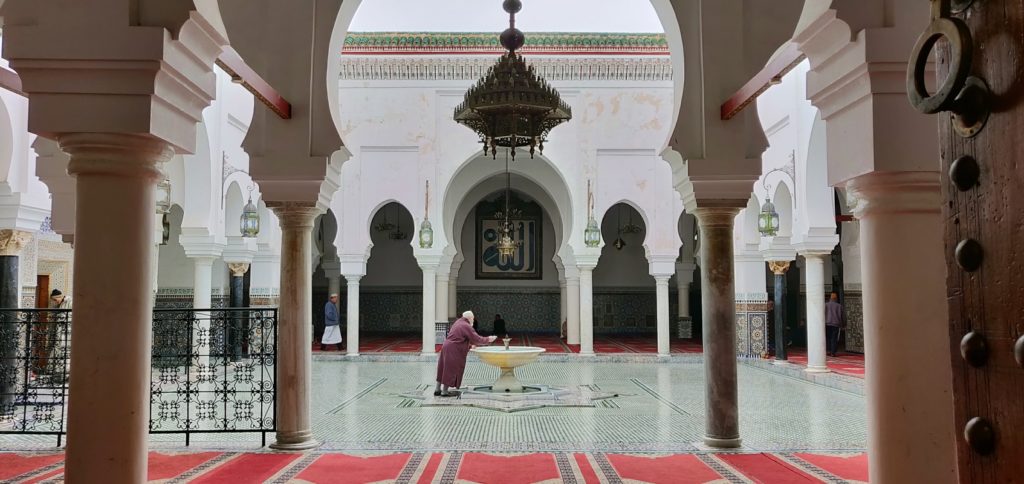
(815, 254)
(117, 154)
(295, 215)
(238, 269)
(352, 279)
(661, 279)
(910, 192)
(12, 241)
(723, 216)
(203, 260)
(778, 267)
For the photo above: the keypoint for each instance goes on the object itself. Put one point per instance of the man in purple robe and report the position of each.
(452, 361)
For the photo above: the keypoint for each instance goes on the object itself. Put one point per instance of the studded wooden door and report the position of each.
(980, 99)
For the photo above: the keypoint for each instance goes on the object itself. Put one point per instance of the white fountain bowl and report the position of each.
(507, 360)
(512, 357)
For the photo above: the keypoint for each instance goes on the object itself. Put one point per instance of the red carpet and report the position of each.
(766, 468)
(850, 364)
(673, 469)
(475, 467)
(849, 467)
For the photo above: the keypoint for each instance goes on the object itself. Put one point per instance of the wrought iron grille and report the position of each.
(34, 371)
(213, 371)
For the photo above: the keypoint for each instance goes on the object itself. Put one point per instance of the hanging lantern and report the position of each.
(768, 221)
(592, 235)
(619, 243)
(426, 235)
(250, 220)
(506, 246)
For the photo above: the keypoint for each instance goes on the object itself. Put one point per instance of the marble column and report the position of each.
(911, 437)
(352, 315)
(115, 178)
(11, 243)
(586, 310)
(429, 303)
(295, 320)
(779, 268)
(441, 298)
(453, 293)
(814, 263)
(237, 296)
(202, 287)
(572, 310)
(661, 294)
(718, 300)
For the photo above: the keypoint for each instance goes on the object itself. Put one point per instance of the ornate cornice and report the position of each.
(542, 43)
(650, 69)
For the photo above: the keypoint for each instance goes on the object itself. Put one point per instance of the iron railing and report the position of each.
(34, 347)
(213, 371)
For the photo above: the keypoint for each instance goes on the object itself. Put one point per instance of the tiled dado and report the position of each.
(853, 306)
(751, 325)
(399, 309)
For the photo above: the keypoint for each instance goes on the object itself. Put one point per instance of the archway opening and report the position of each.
(522, 288)
(625, 308)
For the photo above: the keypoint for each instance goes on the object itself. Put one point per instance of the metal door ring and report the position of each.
(961, 52)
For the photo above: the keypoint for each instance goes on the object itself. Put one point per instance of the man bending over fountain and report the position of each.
(451, 364)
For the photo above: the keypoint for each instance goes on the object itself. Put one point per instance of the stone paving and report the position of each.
(359, 406)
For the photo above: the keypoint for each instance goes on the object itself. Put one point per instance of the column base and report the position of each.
(664, 355)
(351, 354)
(590, 353)
(295, 441)
(432, 353)
(777, 361)
(817, 369)
(723, 443)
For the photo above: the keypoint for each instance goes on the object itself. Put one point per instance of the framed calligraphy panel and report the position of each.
(526, 229)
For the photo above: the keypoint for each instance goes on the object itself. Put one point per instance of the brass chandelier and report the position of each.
(511, 106)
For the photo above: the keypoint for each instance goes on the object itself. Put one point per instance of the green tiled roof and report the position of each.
(488, 41)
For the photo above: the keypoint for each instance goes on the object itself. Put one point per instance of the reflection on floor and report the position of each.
(850, 364)
(470, 467)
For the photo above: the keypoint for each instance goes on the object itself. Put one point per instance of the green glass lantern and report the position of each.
(250, 219)
(426, 235)
(768, 221)
(592, 235)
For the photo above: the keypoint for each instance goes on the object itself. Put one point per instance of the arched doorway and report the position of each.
(625, 309)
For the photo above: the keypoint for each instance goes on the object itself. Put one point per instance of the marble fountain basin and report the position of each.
(507, 359)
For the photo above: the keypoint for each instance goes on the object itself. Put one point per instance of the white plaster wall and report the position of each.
(402, 135)
(175, 268)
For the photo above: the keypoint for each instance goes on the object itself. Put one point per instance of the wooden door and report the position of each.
(982, 154)
(42, 291)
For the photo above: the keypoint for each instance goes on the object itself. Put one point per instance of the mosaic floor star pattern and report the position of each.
(467, 468)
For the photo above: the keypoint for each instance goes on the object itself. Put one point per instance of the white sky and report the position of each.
(488, 16)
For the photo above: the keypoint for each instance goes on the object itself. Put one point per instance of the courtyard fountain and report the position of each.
(507, 359)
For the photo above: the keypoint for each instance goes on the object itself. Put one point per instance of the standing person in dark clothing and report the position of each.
(451, 364)
(833, 323)
(499, 326)
(332, 327)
